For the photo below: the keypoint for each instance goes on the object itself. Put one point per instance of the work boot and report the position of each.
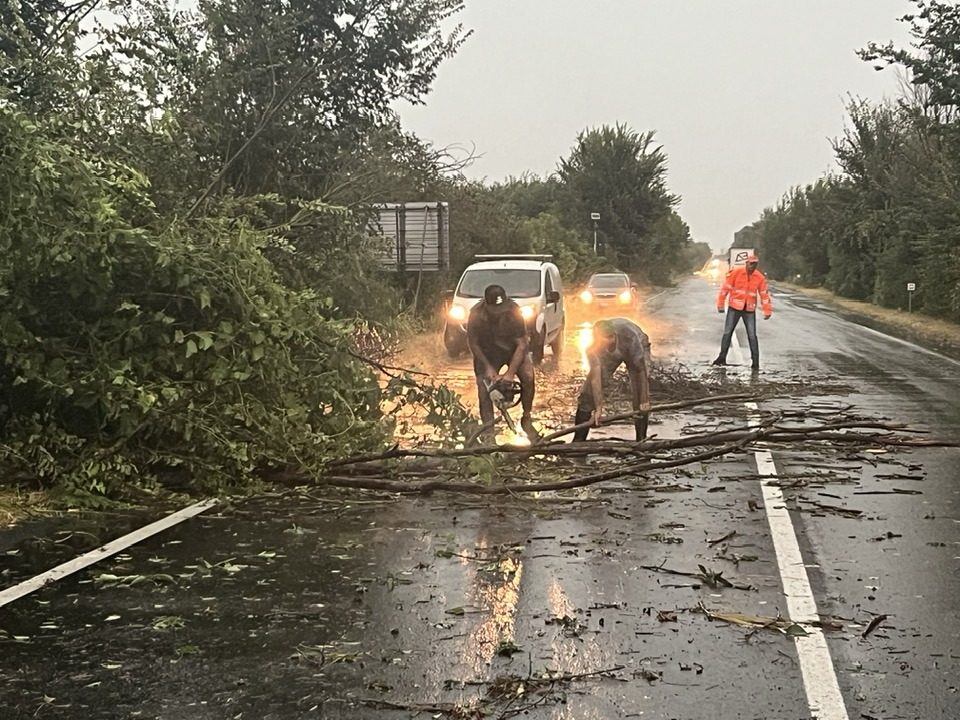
(640, 424)
(720, 361)
(582, 416)
(526, 424)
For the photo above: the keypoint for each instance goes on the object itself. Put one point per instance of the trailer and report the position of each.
(738, 256)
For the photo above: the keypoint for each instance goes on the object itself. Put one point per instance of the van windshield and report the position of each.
(517, 283)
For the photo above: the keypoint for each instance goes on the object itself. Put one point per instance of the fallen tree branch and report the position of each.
(395, 452)
(425, 472)
(656, 408)
(407, 488)
(875, 439)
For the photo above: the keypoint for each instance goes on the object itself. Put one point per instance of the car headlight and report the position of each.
(458, 313)
(527, 311)
(586, 296)
(625, 296)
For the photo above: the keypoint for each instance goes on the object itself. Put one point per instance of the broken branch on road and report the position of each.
(507, 469)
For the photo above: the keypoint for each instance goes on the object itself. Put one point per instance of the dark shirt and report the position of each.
(496, 333)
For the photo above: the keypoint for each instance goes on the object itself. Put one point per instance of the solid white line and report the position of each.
(816, 666)
(111, 548)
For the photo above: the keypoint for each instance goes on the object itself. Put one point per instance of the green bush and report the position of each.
(130, 350)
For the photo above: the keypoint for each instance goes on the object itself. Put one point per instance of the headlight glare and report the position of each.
(586, 296)
(527, 311)
(457, 312)
(625, 296)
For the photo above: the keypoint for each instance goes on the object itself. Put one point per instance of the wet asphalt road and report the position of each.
(304, 606)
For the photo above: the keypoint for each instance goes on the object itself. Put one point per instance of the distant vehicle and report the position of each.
(531, 280)
(613, 289)
(715, 268)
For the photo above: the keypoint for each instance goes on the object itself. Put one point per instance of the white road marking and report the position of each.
(111, 548)
(816, 665)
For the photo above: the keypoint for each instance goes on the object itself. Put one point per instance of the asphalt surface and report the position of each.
(308, 606)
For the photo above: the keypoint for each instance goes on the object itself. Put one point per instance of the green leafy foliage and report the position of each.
(621, 174)
(890, 217)
(132, 351)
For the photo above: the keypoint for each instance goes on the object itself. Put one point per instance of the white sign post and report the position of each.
(910, 288)
(595, 217)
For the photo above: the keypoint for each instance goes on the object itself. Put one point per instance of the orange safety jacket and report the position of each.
(743, 290)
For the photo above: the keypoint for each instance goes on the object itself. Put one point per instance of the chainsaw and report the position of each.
(505, 395)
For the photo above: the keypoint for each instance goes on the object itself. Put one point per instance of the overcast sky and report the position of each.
(744, 95)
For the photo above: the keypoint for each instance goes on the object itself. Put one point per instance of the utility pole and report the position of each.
(595, 217)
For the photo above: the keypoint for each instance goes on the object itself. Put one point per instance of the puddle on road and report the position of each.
(35, 546)
(294, 608)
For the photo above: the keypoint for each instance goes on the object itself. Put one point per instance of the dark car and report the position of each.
(611, 289)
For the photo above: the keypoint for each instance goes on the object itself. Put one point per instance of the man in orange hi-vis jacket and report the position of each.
(742, 286)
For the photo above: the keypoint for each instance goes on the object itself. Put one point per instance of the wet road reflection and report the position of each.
(312, 604)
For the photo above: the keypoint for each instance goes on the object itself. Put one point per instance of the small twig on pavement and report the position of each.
(874, 624)
(731, 534)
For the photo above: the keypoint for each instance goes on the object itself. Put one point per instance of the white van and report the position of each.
(530, 280)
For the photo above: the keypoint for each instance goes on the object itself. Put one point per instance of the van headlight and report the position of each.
(527, 311)
(586, 296)
(625, 296)
(458, 313)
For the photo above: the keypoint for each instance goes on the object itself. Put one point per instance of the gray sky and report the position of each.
(744, 95)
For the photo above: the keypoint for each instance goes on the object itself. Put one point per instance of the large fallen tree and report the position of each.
(413, 471)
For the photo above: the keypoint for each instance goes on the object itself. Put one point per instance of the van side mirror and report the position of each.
(553, 297)
(448, 296)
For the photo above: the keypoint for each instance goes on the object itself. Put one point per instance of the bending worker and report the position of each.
(497, 337)
(743, 285)
(616, 341)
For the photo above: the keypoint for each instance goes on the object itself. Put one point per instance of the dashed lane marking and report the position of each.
(111, 548)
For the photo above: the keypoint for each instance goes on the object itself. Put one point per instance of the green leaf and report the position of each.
(795, 631)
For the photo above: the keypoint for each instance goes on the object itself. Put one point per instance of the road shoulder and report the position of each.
(931, 333)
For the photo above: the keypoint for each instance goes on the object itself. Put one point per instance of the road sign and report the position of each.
(594, 216)
(911, 287)
(416, 236)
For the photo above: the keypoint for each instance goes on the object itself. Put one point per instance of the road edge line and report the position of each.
(820, 680)
(111, 548)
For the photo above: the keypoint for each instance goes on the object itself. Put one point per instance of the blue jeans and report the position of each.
(749, 324)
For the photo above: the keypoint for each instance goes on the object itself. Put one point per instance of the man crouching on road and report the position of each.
(616, 341)
(497, 336)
